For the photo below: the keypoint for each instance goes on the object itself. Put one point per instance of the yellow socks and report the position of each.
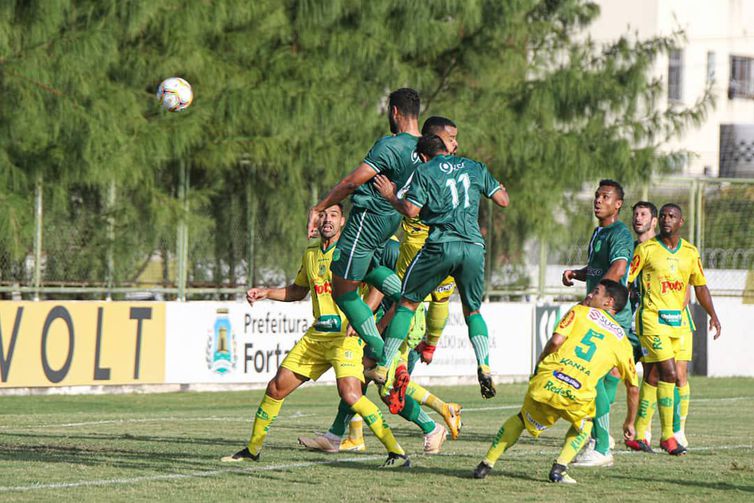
(424, 397)
(266, 413)
(506, 437)
(647, 405)
(684, 393)
(665, 392)
(437, 317)
(373, 417)
(574, 441)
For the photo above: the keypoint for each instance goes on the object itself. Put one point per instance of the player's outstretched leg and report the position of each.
(575, 439)
(506, 437)
(450, 412)
(397, 332)
(373, 418)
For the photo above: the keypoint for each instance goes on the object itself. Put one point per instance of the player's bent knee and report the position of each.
(349, 389)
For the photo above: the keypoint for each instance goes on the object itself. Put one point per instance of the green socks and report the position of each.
(601, 431)
(479, 339)
(386, 281)
(396, 334)
(414, 413)
(342, 418)
(361, 319)
(611, 387)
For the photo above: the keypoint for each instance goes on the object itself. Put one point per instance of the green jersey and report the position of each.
(394, 157)
(448, 190)
(607, 245)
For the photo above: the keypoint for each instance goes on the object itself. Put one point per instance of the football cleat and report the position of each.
(612, 443)
(639, 445)
(353, 445)
(397, 395)
(680, 437)
(434, 439)
(426, 352)
(594, 458)
(482, 470)
(672, 447)
(487, 387)
(588, 447)
(322, 443)
(559, 475)
(377, 374)
(395, 460)
(242, 455)
(451, 413)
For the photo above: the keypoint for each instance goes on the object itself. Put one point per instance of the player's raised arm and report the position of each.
(290, 293)
(344, 188)
(386, 188)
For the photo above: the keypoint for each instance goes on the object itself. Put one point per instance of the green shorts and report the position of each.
(437, 261)
(361, 242)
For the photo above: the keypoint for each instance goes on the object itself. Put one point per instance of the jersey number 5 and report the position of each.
(451, 184)
(587, 352)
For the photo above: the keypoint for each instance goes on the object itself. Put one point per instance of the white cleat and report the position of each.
(680, 437)
(433, 440)
(585, 451)
(323, 443)
(594, 459)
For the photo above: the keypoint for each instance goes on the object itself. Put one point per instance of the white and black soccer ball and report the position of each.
(175, 94)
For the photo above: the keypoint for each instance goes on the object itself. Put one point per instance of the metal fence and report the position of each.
(719, 220)
(99, 244)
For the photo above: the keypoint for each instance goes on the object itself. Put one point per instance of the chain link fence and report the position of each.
(104, 243)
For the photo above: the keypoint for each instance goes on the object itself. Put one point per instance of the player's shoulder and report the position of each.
(395, 141)
(687, 247)
(312, 247)
(648, 245)
(621, 230)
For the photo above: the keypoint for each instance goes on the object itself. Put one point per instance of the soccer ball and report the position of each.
(175, 94)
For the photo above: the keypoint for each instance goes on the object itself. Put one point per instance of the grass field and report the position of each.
(167, 447)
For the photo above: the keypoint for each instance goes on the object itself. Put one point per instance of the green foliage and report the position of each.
(296, 89)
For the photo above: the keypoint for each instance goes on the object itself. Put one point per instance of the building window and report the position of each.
(741, 79)
(675, 75)
(711, 64)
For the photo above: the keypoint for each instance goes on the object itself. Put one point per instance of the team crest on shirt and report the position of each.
(598, 246)
(567, 320)
(221, 354)
(322, 269)
(335, 254)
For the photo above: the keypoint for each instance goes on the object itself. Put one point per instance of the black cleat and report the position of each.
(242, 455)
(394, 461)
(640, 446)
(482, 470)
(486, 385)
(558, 475)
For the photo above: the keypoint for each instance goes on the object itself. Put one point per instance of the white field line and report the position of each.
(178, 476)
(281, 419)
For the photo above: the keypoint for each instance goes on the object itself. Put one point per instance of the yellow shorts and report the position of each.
(539, 416)
(658, 348)
(313, 356)
(408, 250)
(686, 346)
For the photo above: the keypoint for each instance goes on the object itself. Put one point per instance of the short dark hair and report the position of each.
(406, 100)
(612, 183)
(672, 205)
(618, 292)
(430, 145)
(435, 124)
(646, 204)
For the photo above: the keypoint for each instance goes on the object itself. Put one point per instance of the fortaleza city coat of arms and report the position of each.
(221, 345)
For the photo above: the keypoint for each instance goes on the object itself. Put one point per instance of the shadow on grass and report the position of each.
(705, 484)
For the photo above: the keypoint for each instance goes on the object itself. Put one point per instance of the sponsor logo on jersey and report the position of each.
(415, 157)
(447, 167)
(328, 323)
(559, 390)
(672, 286)
(602, 320)
(445, 288)
(533, 422)
(670, 317)
(568, 319)
(594, 272)
(578, 366)
(323, 289)
(560, 376)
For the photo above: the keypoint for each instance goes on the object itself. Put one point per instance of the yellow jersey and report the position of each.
(664, 275)
(595, 343)
(315, 275)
